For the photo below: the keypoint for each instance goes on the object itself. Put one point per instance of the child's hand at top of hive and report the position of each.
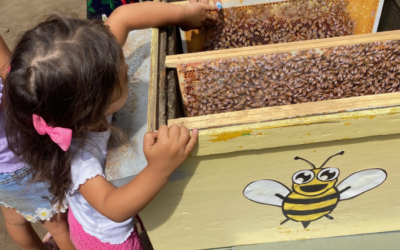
(157, 14)
(216, 3)
(197, 15)
(167, 148)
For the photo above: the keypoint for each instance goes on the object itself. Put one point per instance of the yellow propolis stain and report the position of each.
(345, 138)
(372, 116)
(241, 1)
(314, 151)
(347, 123)
(240, 146)
(225, 136)
(393, 111)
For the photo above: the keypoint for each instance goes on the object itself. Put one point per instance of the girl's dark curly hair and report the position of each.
(65, 70)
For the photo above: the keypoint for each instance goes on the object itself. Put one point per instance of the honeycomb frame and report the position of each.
(195, 86)
(365, 14)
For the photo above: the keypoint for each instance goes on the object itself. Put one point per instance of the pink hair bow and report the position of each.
(61, 136)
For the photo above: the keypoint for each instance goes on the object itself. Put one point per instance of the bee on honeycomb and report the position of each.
(288, 78)
(281, 22)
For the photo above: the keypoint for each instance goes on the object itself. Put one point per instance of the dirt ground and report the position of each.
(17, 16)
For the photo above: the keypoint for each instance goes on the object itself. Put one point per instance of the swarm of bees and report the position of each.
(285, 78)
(288, 21)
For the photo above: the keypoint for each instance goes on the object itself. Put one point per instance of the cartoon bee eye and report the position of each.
(303, 176)
(328, 174)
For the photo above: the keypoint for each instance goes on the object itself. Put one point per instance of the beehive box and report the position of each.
(258, 22)
(242, 185)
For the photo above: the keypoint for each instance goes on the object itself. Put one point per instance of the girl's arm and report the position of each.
(165, 150)
(5, 56)
(156, 14)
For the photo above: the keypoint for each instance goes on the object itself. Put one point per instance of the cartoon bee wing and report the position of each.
(360, 182)
(267, 192)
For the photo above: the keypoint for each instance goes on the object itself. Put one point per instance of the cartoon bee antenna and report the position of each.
(323, 164)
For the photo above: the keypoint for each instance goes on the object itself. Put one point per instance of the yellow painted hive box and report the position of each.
(310, 162)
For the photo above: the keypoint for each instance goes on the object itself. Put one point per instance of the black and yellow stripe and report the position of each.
(301, 208)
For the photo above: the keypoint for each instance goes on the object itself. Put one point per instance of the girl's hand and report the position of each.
(217, 3)
(172, 147)
(165, 150)
(196, 15)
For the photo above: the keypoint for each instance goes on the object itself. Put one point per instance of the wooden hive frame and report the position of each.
(366, 15)
(261, 128)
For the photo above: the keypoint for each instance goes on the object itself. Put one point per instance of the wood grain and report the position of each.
(172, 61)
(289, 111)
(153, 85)
(173, 110)
(162, 86)
(298, 131)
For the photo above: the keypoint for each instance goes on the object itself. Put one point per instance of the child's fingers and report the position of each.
(163, 132)
(211, 8)
(205, 2)
(218, 4)
(184, 135)
(149, 139)
(174, 132)
(192, 141)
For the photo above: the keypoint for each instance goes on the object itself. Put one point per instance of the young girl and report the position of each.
(21, 200)
(67, 77)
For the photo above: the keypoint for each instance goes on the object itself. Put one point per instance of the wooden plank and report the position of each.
(173, 110)
(172, 61)
(289, 111)
(295, 46)
(152, 109)
(298, 131)
(172, 48)
(208, 209)
(172, 105)
(162, 86)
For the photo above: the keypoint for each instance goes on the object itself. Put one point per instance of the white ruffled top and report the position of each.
(87, 163)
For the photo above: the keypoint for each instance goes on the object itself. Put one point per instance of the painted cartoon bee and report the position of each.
(314, 192)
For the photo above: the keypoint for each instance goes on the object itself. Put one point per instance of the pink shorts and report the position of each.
(84, 241)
